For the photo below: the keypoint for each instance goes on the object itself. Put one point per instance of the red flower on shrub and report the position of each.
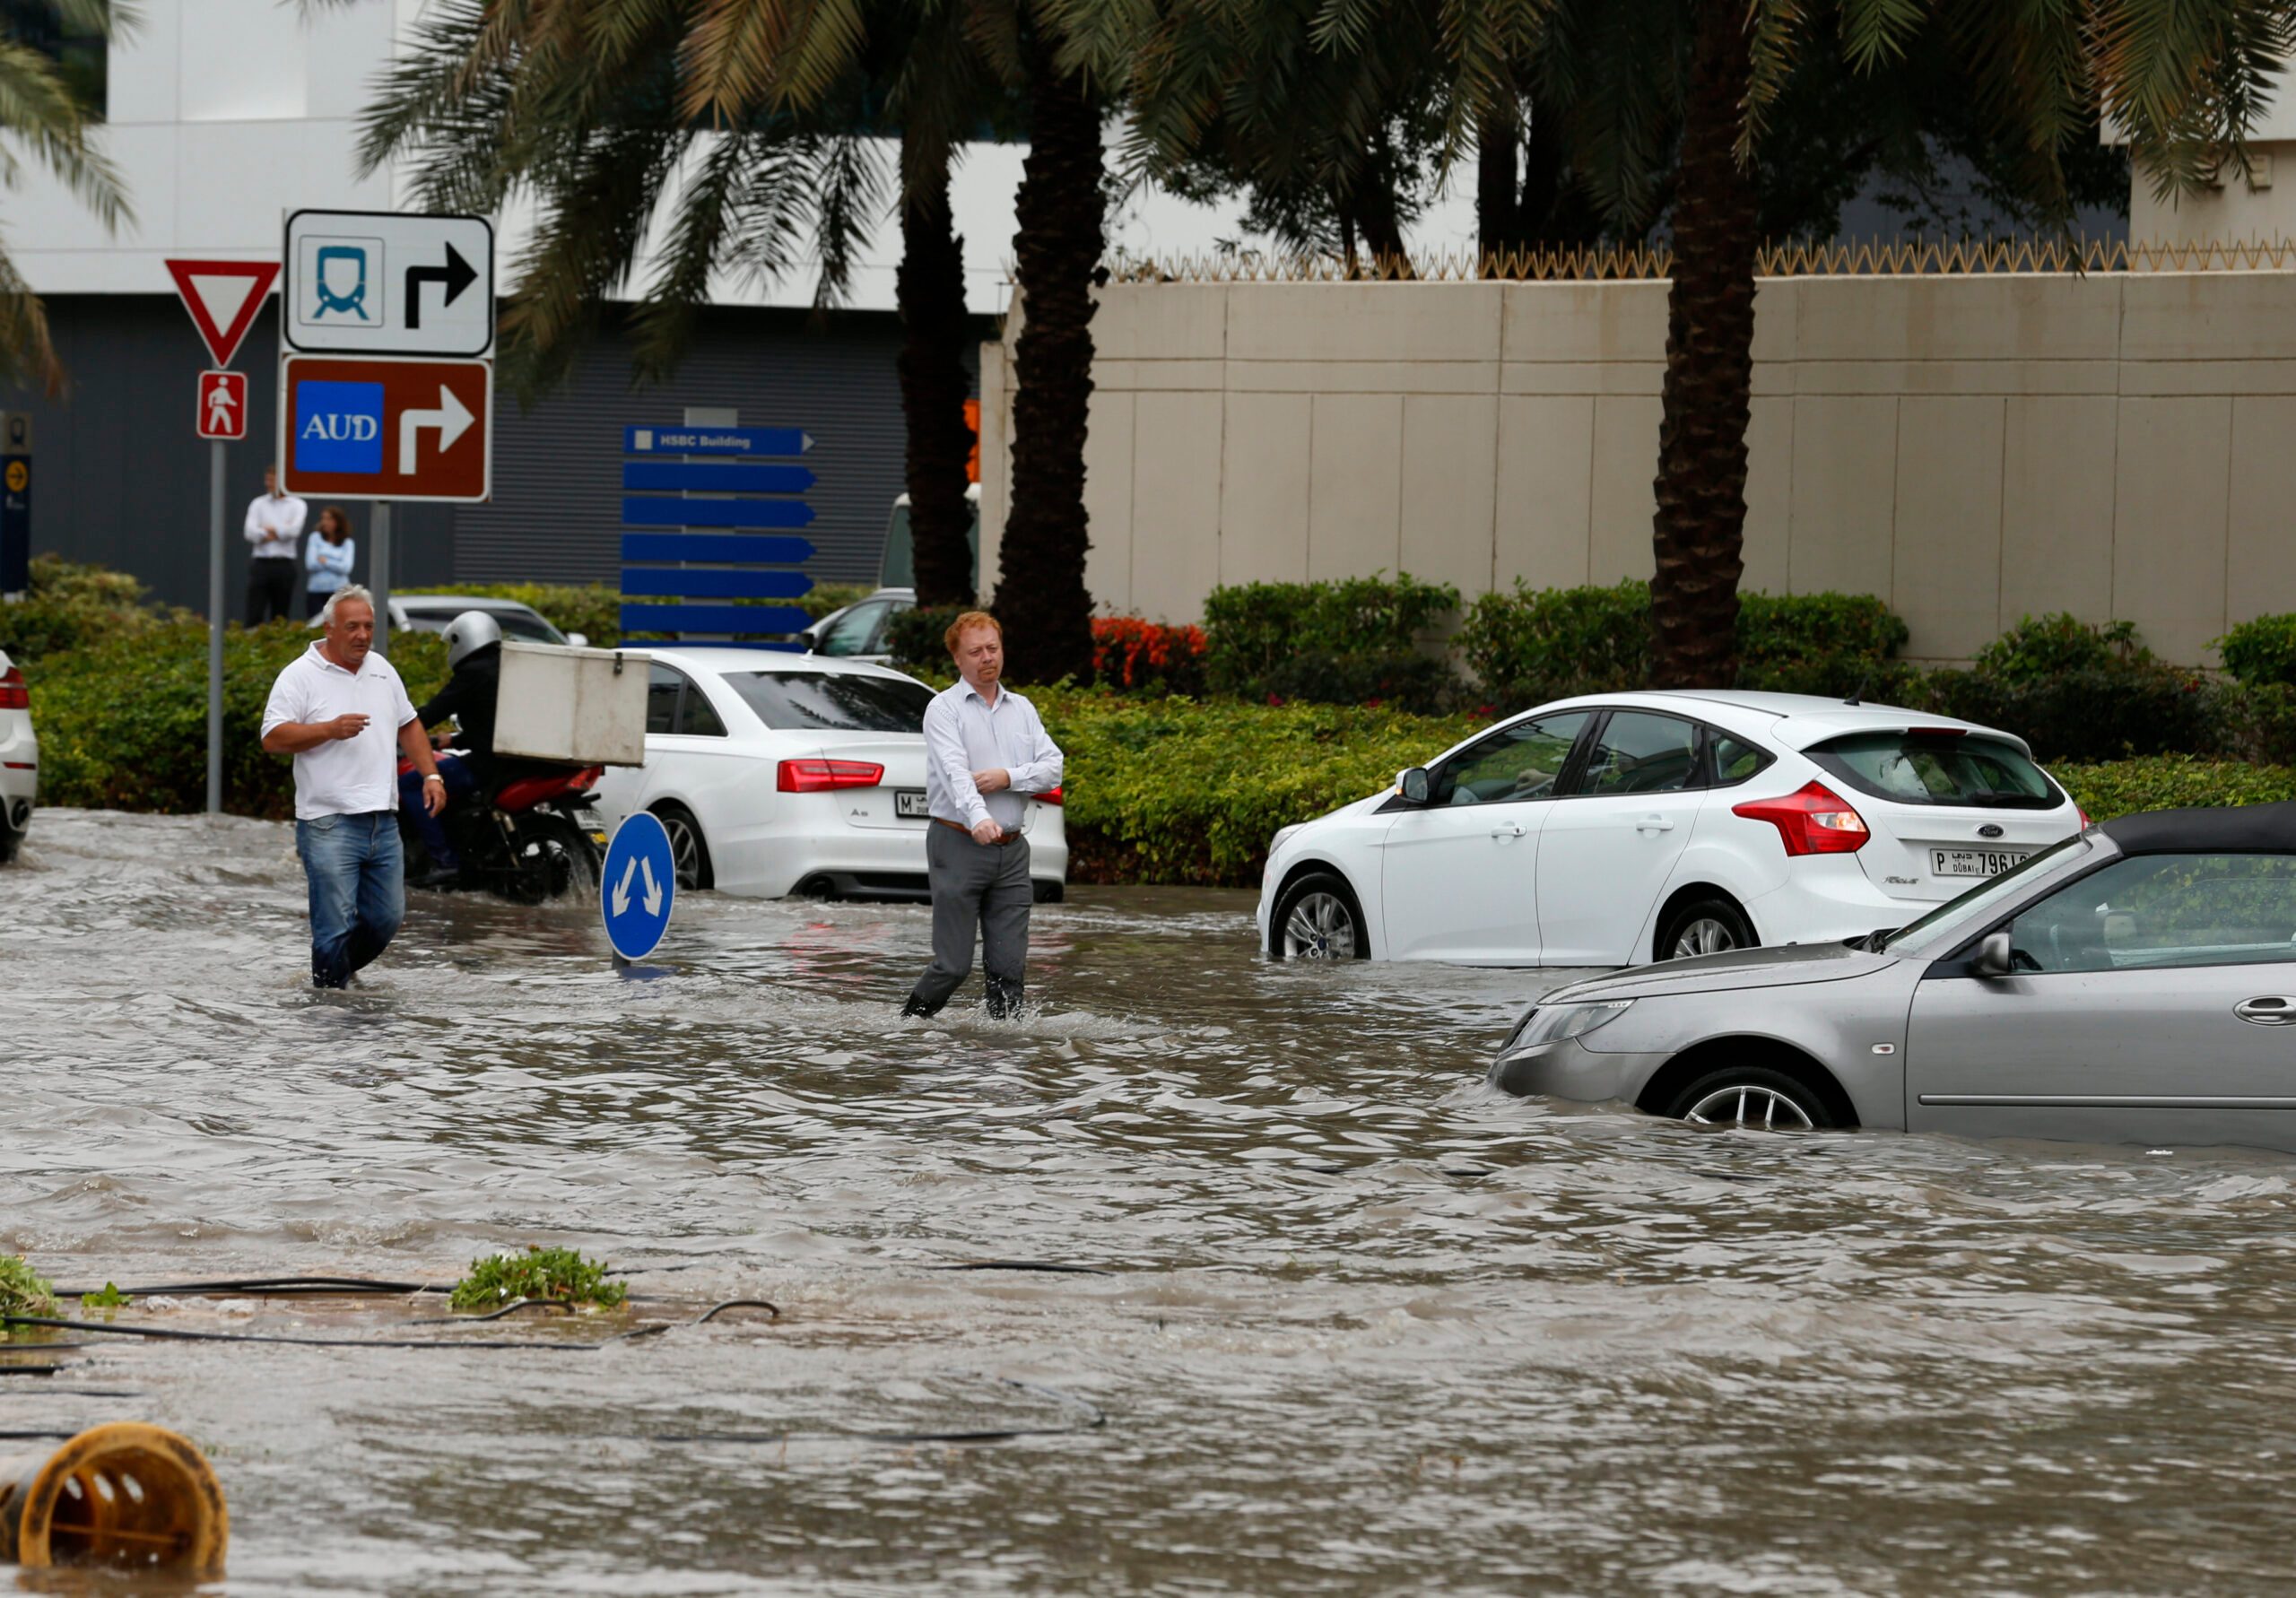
(1131, 652)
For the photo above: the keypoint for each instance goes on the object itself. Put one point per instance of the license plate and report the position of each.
(1974, 863)
(910, 802)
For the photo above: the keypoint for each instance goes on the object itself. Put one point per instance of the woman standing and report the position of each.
(328, 558)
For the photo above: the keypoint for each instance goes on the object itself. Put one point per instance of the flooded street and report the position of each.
(1364, 1324)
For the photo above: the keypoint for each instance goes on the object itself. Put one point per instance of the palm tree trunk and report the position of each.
(1498, 212)
(930, 288)
(1700, 529)
(1041, 595)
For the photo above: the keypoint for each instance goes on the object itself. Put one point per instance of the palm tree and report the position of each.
(2186, 80)
(40, 114)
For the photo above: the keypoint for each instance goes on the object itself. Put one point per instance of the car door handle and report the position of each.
(1511, 829)
(2270, 1010)
(1654, 824)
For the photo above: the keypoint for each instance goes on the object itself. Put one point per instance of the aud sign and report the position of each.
(372, 428)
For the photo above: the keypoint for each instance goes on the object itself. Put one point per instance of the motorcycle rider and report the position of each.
(473, 677)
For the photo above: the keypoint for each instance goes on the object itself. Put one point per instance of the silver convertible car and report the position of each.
(2134, 983)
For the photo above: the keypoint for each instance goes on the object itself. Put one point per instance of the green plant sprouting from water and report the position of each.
(551, 1275)
(23, 1290)
(108, 1298)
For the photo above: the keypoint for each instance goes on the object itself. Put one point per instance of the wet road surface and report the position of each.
(1366, 1326)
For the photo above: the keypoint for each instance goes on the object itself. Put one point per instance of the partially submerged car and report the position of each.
(2134, 983)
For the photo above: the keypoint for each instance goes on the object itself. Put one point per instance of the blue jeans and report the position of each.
(461, 781)
(358, 896)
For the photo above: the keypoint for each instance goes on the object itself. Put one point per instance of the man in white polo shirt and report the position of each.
(340, 710)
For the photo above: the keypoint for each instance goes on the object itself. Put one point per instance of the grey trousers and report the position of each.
(981, 888)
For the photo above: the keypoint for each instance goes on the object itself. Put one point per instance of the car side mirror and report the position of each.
(1413, 784)
(577, 640)
(1994, 956)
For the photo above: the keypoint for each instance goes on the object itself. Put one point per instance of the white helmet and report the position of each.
(468, 633)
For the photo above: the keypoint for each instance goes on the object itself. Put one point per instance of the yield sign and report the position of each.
(223, 298)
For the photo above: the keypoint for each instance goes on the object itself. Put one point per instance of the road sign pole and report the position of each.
(378, 568)
(216, 550)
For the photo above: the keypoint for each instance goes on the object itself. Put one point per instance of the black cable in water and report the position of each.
(715, 1310)
(1050, 1267)
(274, 1287)
(171, 1335)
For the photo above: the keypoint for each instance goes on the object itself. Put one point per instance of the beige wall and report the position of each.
(1969, 448)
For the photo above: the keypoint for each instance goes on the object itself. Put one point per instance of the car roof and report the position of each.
(2243, 829)
(459, 602)
(1803, 720)
(722, 658)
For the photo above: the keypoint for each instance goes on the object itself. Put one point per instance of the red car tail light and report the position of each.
(1814, 820)
(14, 693)
(818, 777)
(1051, 796)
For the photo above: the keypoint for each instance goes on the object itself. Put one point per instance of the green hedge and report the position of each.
(67, 605)
(2262, 651)
(1352, 642)
(123, 724)
(1538, 643)
(2171, 782)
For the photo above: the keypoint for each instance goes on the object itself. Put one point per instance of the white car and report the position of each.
(778, 774)
(1619, 828)
(19, 759)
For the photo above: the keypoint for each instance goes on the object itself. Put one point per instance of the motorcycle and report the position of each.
(537, 840)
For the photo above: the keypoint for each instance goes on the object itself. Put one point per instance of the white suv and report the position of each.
(19, 759)
(1614, 829)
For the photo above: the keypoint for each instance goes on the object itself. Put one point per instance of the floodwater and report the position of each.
(1364, 1325)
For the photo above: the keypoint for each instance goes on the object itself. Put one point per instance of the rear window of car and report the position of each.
(840, 701)
(517, 626)
(1972, 772)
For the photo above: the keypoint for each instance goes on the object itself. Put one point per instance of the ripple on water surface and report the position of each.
(1365, 1325)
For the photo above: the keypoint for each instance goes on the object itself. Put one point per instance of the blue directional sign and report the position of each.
(638, 885)
(717, 513)
(714, 440)
(692, 583)
(717, 549)
(714, 618)
(714, 477)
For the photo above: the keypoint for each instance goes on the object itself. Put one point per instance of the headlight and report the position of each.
(1553, 1024)
(1281, 833)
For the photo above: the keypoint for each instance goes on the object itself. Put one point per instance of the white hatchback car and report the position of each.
(1614, 829)
(778, 774)
(19, 759)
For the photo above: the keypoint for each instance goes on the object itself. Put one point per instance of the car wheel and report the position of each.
(1750, 1095)
(689, 850)
(11, 840)
(1317, 919)
(1704, 926)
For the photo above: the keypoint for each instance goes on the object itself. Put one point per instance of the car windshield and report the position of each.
(1948, 921)
(1939, 768)
(517, 626)
(841, 702)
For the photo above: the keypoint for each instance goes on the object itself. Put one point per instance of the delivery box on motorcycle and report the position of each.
(586, 707)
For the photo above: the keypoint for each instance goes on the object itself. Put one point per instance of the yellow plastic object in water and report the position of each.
(124, 1495)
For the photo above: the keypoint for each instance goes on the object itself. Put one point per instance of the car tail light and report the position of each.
(1051, 796)
(13, 694)
(1814, 820)
(2085, 822)
(818, 777)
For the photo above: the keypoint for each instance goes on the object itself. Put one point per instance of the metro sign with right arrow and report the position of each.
(376, 428)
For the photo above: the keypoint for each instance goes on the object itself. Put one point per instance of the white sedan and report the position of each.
(778, 774)
(1614, 829)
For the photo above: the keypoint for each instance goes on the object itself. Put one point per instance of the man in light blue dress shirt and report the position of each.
(986, 753)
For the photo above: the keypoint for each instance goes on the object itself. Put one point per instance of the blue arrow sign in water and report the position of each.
(717, 513)
(717, 549)
(684, 440)
(638, 885)
(715, 477)
(714, 618)
(692, 583)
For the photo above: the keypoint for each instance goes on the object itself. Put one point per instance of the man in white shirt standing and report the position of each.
(340, 710)
(985, 753)
(274, 535)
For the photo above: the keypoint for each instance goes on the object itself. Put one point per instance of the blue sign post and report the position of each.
(638, 885)
(740, 495)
